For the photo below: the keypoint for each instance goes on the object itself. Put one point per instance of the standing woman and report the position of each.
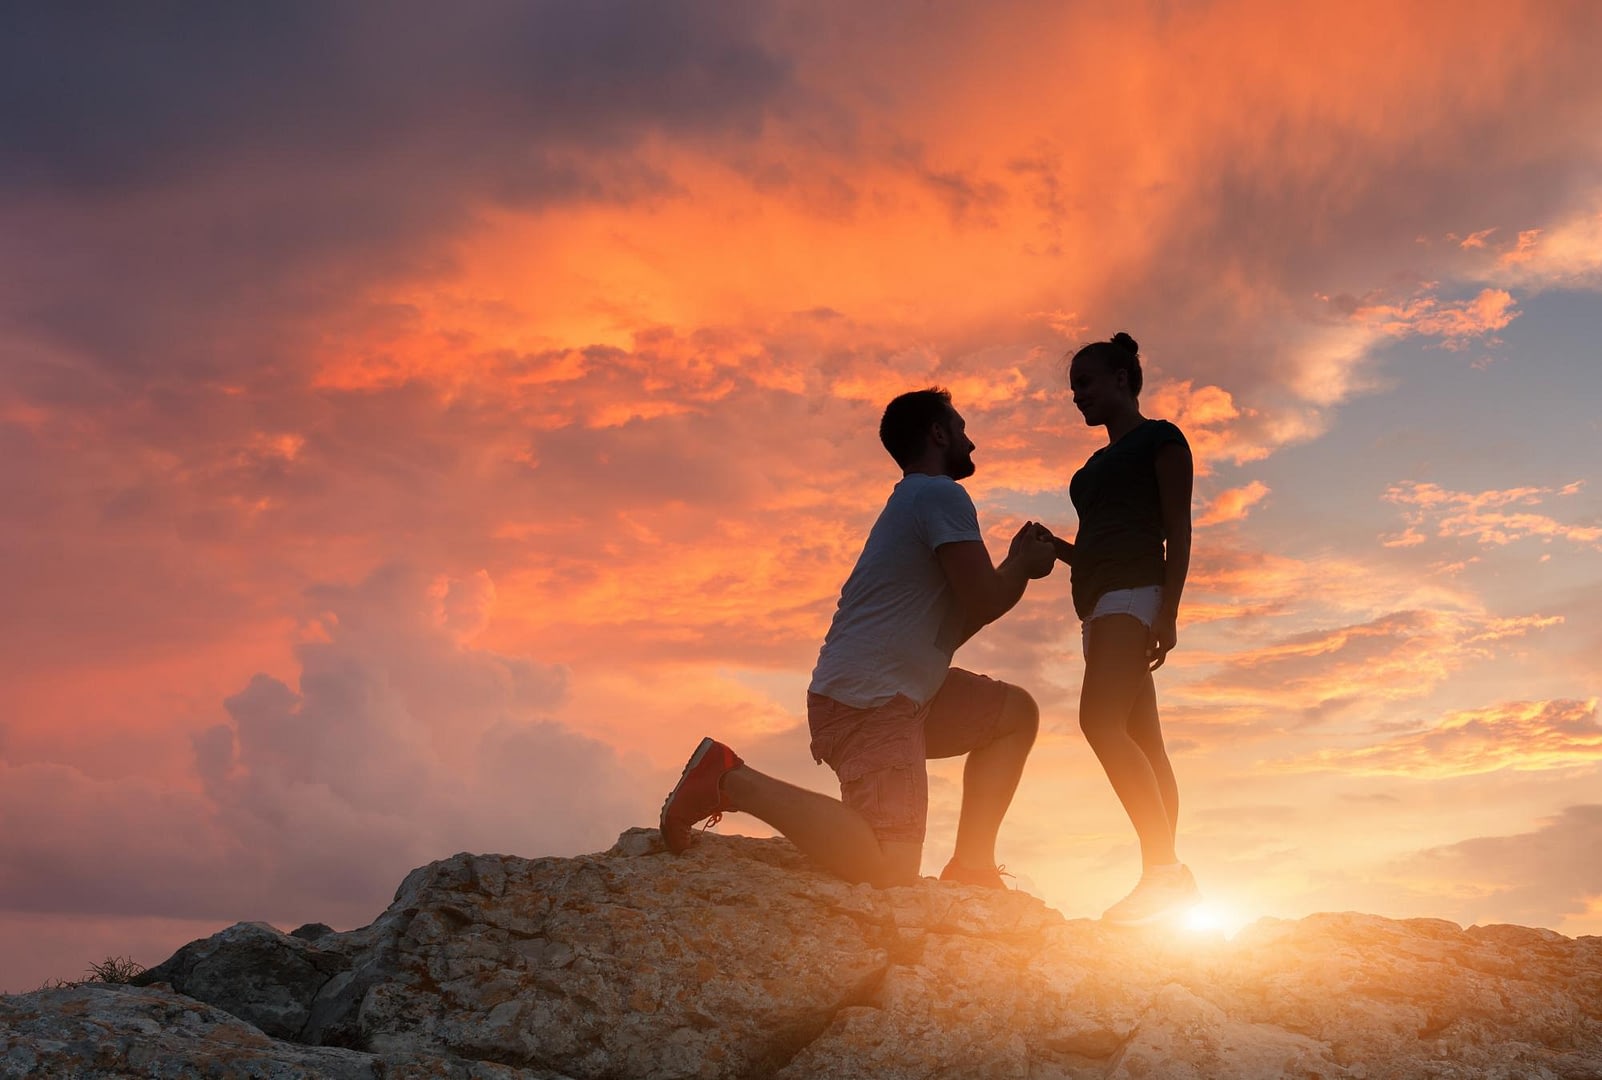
(1128, 566)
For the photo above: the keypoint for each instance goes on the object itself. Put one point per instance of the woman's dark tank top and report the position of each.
(1120, 541)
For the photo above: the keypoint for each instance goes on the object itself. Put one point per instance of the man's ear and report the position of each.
(939, 433)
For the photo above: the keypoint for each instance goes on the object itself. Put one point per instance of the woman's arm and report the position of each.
(1065, 550)
(1175, 479)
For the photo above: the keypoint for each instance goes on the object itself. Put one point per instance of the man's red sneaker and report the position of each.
(698, 794)
(963, 875)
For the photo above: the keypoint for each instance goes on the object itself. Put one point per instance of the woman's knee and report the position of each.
(1099, 724)
(1107, 702)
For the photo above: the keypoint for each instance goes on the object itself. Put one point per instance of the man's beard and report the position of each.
(959, 468)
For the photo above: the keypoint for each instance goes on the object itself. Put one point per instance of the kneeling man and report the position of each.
(884, 697)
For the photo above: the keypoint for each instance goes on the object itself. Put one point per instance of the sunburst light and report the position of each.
(1210, 919)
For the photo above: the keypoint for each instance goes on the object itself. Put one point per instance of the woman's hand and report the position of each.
(1163, 637)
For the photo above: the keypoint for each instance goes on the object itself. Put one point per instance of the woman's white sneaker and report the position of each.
(1163, 891)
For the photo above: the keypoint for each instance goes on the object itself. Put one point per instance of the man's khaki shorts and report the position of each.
(879, 753)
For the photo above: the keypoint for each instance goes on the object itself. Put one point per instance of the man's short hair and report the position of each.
(904, 428)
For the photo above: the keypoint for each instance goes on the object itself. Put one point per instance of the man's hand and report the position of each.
(1032, 548)
(985, 592)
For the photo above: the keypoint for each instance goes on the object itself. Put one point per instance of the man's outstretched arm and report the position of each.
(985, 592)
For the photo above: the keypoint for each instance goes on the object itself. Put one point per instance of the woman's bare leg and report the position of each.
(1147, 731)
(1116, 673)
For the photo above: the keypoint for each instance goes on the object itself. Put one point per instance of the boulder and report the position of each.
(738, 959)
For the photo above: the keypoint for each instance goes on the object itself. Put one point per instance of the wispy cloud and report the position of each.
(1525, 736)
(1540, 877)
(1398, 657)
(1332, 360)
(1483, 516)
(1454, 324)
(1568, 254)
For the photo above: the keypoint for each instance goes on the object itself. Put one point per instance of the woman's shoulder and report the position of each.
(1164, 431)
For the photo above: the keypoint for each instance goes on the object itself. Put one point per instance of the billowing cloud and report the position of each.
(402, 741)
(300, 84)
(1218, 430)
(172, 178)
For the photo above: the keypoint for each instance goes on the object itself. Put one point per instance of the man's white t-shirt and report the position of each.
(898, 622)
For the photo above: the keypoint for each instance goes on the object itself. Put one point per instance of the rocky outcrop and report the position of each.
(738, 960)
(107, 1030)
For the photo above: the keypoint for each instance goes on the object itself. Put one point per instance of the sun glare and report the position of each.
(1210, 920)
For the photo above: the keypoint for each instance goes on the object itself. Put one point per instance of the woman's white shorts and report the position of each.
(1143, 603)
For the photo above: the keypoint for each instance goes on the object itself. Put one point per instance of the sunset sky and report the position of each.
(420, 424)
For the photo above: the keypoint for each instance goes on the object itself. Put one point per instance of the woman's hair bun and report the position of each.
(1124, 341)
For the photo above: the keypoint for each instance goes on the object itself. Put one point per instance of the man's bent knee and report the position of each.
(892, 878)
(1021, 715)
(899, 864)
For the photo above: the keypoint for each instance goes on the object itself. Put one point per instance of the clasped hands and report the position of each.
(1036, 549)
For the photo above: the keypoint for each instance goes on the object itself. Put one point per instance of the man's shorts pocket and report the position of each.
(894, 800)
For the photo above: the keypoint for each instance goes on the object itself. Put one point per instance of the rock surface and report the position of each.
(738, 960)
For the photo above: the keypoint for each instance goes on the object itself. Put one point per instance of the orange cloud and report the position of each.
(1217, 429)
(1455, 323)
(1229, 583)
(1233, 504)
(1566, 254)
(1481, 517)
(1525, 736)
(1399, 656)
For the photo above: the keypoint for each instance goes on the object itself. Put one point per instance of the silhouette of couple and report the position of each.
(884, 697)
